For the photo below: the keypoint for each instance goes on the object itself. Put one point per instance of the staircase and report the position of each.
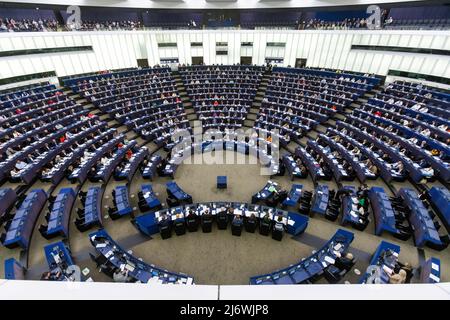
(249, 122)
(187, 104)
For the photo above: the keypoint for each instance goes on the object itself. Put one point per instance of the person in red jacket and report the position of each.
(129, 154)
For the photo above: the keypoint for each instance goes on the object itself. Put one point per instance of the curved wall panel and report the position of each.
(328, 49)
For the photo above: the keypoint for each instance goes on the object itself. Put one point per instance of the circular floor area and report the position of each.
(243, 175)
(221, 258)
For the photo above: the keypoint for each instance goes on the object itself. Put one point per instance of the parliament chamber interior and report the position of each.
(234, 143)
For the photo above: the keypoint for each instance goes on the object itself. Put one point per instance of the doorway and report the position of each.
(143, 63)
(197, 61)
(246, 60)
(300, 63)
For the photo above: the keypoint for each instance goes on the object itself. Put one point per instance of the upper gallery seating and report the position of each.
(259, 19)
(168, 19)
(40, 127)
(27, 20)
(401, 17)
(221, 95)
(431, 17)
(145, 100)
(421, 17)
(297, 100)
(104, 19)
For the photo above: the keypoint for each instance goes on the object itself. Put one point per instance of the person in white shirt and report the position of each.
(426, 132)
(20, 165)
(121, 276)
(104, 160)
(428, 172)
(423, 110)
(413, 140)
(416, 107)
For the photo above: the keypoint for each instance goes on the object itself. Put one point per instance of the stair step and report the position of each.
(249, 123)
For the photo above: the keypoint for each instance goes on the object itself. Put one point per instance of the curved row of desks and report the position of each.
(313, 266)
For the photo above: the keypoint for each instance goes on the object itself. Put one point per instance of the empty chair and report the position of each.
(437, 225)
(250, 224)
(165, 230)
(222, 220)
(333, 274)
(43, 230)
(81, 226)
(345, 262)
(172, 202)
(277, 231)
(236, 226)
(80, 212)
(179, 227)
(264, 227)
(206, 222)
(192, 222)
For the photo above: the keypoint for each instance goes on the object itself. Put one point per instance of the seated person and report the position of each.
(266, 219)
(344, 261)
(252, 218)
(121, 276)
(398, 167)
(279, 220)
(237, 220)
(191, 215)
(397, 278)
(52, 276)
